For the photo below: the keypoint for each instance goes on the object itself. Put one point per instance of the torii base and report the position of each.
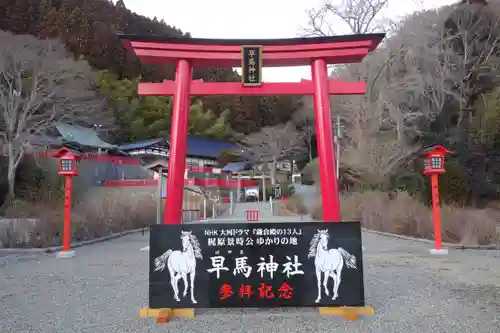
(439, 252)
(65, 254)
(349, 313)
(163, 316)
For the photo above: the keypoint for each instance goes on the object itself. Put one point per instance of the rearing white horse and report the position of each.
(181, 263)
(330, 262)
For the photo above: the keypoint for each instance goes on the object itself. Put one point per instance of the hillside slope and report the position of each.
(88, 28)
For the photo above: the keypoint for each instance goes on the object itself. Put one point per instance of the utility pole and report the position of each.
(338, 136)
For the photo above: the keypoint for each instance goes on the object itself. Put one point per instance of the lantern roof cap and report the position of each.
(437, 149)
(65, 152)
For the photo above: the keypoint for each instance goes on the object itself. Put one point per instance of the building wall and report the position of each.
(93, 173)
(200, 161)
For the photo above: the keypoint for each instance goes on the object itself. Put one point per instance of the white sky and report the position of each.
(261, 19)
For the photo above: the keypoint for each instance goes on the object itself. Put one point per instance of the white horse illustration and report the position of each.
(330, 262)
(181, 263)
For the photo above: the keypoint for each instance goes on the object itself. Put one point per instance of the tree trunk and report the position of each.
(309, 147)
(11, 181)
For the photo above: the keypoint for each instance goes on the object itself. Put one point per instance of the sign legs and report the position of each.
(349, 313)
(178, 144)
(163, 316)
(326, 151)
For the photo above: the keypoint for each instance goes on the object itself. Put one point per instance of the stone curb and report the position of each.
(428, 241)
(73, 245)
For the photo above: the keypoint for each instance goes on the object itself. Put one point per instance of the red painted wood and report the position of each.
(326, 146)
(252, 215)
(178, 143)
(200, 88)
(67, 213)
(226, 53)
(237, 48)
(201, 182)
(221, 53)
(233, 59)
(122, 160)
(98, 157)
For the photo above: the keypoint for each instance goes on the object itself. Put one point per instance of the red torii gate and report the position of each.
(317, 52)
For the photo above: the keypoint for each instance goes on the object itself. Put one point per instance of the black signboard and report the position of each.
(256, 265)
(251, 65)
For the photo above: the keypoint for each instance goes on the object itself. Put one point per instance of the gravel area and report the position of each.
(102, 288)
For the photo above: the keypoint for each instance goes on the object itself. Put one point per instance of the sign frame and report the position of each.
(244, 65)
(208, 282)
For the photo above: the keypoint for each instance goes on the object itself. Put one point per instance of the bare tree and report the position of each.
(304, 119)
(272, 144)
(40, 86)
(360, 16)
(472, 36)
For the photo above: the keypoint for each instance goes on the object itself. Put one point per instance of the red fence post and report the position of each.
(252, 215)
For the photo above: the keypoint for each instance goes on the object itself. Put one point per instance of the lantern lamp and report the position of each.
(433, 167)
(434, 160)
(68, 162)
(68, 167)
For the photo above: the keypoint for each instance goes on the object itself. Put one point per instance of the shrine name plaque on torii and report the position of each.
(251, 55)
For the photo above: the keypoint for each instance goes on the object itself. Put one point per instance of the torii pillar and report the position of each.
(251, 55)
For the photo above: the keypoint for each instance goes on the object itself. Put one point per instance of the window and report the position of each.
(437, 163)
(66, 165)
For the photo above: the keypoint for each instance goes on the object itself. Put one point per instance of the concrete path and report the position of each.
(103, 287)
(266, 215)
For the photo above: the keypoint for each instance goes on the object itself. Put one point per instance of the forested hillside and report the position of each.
(434, 80)
(88, 28)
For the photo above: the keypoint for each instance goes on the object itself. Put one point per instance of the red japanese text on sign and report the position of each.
(246, 291)
(285, 291)
(225, 291)
(266, 291)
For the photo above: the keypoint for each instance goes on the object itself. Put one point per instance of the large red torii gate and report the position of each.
(317, 52)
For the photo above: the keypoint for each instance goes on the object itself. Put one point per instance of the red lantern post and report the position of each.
(68, 167)
(434, 166)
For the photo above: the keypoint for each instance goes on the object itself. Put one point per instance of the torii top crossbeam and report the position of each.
(228, 53)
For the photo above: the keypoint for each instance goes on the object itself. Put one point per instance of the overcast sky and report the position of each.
(254, 19)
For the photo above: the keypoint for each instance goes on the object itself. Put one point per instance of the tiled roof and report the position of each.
(207, 147)
(199, 147)
(140, 144)
(236, 166)
(82, 136)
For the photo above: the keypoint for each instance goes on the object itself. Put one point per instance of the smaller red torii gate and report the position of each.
(186, 53)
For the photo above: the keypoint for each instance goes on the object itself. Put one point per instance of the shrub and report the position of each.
(310, 174)
(295, 205)
(101, 212)
(403, 214)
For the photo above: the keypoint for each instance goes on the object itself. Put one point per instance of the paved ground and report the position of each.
(103, 287)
